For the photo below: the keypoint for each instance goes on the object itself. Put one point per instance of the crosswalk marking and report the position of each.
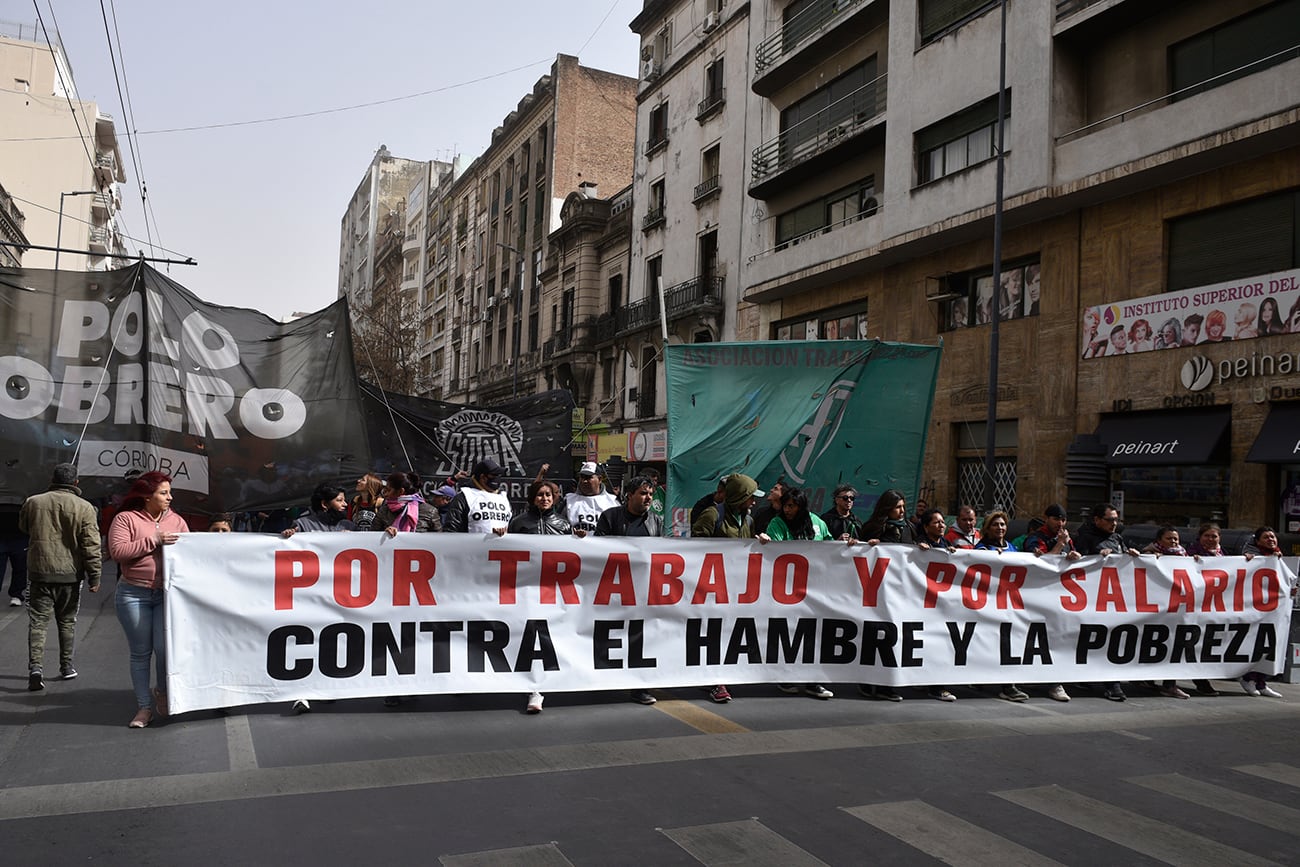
(944, 836)
(1275, 771)
(697, 717)
(749, 843)
(239, 744)
(546, 855)
(1248, 807)
(1153, 838)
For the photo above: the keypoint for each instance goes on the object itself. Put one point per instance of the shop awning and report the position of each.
(1279, 439)
(1165, 438)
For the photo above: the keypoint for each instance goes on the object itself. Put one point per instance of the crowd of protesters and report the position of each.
(61, 542)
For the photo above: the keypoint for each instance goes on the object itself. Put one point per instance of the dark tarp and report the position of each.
(125, 371)
(1279, 439)
(439, 439)
(1163, 438)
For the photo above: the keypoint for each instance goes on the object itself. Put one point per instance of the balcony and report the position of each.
(456, 332)
(462, 226)
(102, 205)
(101, 240)
(548, 349)
(606, 327)
(694, 296)
(561, 340)
(645, 405)
(707, 190)
(711, 104)
(105, 167)
(637, 315)
(656, 144)
(811, 145)
(811, 36)
(654, 217)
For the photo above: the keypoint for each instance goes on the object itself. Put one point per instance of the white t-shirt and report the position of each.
(582, 510)
(486, 510)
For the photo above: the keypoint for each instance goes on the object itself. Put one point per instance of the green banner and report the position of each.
(813, 413)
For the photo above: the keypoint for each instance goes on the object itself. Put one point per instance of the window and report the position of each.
(710, 171)
(654, 269)
(841, 323)
(957, 142)
(937, 17)
(658, 126)
(843, 206)
(714, 93)
(708, 268)
(615, 292)
(845, 99)
(1017, 296)
(1242, 240)
(654, 215)
(1226, 49)
(971, 440)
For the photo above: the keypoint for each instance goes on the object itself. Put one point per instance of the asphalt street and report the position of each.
(768, 779)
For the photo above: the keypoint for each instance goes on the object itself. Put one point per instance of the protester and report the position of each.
(135, 540)
(1166, 544)
(1053, 538)
(62, 550)
(404, 509)
(840, 518)
(366, 503)
(583, 507)
(933, 527)
(480, 506)
(441, 500)
(963, 533)
(993, 537)
(539, 516)
(764, 512)
(13, 554)
(887, 525)
(1263, 543)
(717, 498)
(222, 522)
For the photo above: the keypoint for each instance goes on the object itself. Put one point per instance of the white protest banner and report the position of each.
(347, 615)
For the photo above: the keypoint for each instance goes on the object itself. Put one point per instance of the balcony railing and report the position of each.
(657, 143)
(711, 103)
(548, 349)
(824, 130)
(696, 295)
(812, 22)
(562, 338)
(654, 217)
(606, 327)
(706, 189)
(645, 405)
(1066, 8)
(637, 315)
(101, 239)
(870, 208)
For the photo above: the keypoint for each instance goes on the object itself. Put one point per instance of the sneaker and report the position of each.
(1205, 688)
(1058, 693)
(1246, 683)
(942, 695)
(816, 690)
(1172, 691)
(640, 696)
(884, 693)
(719, 695)
(36, 681)
(1114, 693)
(1269, 691)
(67, 672)
(534, 705)
(789, 688)
(302, 706)
(1011, 693)
(15, 602)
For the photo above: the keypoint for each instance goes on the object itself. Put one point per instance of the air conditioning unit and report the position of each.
(650, 70)
(940, 289)
(647, 51)
(491, 302)
(711, 22)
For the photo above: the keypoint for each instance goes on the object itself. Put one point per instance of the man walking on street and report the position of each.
(13, 554)
(63, 548)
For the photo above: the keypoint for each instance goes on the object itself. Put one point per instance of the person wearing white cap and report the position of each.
(582, 508)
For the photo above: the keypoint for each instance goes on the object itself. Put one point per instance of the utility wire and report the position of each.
(76, 219)
(67, 90)
(126, 116)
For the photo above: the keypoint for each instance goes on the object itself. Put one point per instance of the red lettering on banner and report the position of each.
(1267, 590)
(790, 579)
(294, 570)
(413, 570)
(938, 578)
(975, 585)
(559, 570)
(870, 577)
(1010, 580)
(1216, 584)
(367, 578)
(753, 580)
(1140, 591)
(1077, 599)
(1109, 592)
(666, 578)
(509, 561)
(1181, 593)
(616, 580)
(713, 581)
(1239, 592)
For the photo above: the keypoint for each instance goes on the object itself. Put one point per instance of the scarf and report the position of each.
(409, 506)
(328, 517)
(1176, 550)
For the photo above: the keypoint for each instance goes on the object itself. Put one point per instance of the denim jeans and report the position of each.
(140, 611)
(13, 555)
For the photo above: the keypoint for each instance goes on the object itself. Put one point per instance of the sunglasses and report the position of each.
(849, 497)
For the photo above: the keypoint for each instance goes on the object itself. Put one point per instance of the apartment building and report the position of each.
(11, 231)
(1152, 168)
(60, 156)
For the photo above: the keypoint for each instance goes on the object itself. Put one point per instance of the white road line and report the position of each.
(239, 744)
(748, 842)
(1152, 838)
(1275, 771)
(950, 839)
(545, 855)
(1248, 807)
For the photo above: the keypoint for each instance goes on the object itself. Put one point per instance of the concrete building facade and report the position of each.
(11, 231)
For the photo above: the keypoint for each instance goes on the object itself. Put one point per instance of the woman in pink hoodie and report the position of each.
(135, 540)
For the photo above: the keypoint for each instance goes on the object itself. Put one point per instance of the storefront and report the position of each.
(1278, 445)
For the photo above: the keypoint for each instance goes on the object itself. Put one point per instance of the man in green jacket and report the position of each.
(63, 548)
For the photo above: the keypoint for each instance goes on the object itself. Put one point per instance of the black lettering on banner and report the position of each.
(534, 645)
(1155, 641)
(1238, 633)
(440, 652)
(744, 641)
(878, 640)
(838, 642)
(961, 635)
(484, 640)
(1091, 637)
(278, 666)
(709, 641)
(782, 648)
(1210, 643)
(1265, 644)
(913, 641)
(636, 657)
(1185, 637)
(353, 640)
(1036, 646)
(384, 646)
(603, 643)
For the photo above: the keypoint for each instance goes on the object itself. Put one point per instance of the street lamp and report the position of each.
(519, 320)
(58, 238)
(990, 441)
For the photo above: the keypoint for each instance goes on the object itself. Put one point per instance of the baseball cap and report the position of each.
(445, 491)
(486, 467)
(587, 469)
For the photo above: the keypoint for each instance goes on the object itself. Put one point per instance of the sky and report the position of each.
(259, 205)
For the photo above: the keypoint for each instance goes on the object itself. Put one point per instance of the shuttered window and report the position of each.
(958, 141)
(1248, 44)
(937, 16)
(1242, 240)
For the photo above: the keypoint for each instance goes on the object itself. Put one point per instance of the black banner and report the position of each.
(126, 371)
(439, 439)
